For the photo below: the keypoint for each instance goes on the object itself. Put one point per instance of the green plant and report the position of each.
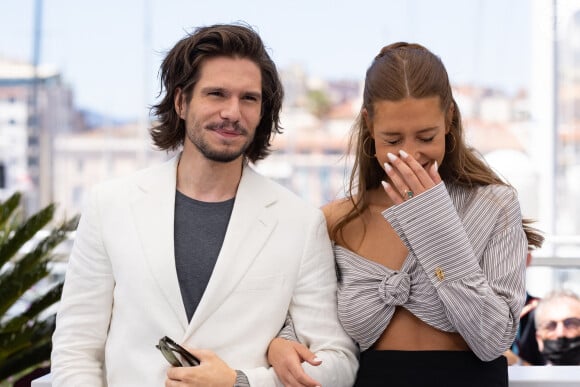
(25, 337)
(319, 103)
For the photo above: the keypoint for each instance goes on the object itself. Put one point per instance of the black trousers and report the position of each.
(430, 369)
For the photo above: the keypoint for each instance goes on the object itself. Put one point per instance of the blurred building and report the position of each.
(83, 159)
(295, 81)
(35, 105)
(309, 157)
(568, 113)
(57, 161)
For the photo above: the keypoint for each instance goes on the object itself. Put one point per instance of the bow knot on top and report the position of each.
(394, 289)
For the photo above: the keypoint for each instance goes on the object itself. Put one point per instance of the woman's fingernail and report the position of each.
(391, 156)
(435, 166)
(317, 359)
(388, 167)
(403, 154)
(385, 184)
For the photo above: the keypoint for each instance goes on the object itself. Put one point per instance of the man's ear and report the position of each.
(179, 103)
(368, 123)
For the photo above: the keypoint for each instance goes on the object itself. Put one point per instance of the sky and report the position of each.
(109, 51)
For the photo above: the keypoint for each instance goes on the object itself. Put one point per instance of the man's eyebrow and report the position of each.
(213, 88)
(255, 94)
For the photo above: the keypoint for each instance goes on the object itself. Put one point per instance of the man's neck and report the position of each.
(206, 180)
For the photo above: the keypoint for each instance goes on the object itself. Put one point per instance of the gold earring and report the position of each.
(453, 142)
(364, 146)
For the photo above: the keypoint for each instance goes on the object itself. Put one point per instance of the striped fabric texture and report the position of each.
(465, 271)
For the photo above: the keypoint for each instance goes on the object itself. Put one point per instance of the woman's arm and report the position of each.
(476, 262)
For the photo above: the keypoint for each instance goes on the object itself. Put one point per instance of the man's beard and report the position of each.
(219, 155)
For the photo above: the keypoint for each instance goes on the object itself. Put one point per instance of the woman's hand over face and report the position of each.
(408, 178)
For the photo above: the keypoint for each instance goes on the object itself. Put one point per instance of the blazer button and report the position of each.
(440, 274)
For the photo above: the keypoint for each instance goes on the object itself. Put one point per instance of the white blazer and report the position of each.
(121, 292)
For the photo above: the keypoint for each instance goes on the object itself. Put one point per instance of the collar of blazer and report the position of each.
(250, 226)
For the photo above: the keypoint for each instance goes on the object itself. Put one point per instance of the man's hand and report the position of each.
(286, 357)
(512, 359)
(212, 372)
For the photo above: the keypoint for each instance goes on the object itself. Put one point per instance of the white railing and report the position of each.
(533, 376)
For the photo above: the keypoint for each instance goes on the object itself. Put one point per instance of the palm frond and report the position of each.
(32, 267)
(26, 347)
(34, 309)
(8, 207)
(14, 340)
(24, 233)
(25, 337)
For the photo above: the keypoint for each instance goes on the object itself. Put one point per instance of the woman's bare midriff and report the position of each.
(406, 332)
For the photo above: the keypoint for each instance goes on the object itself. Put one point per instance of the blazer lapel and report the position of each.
(154, 218)
(249, 228)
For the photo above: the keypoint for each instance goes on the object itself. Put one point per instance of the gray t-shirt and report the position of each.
(199, 231)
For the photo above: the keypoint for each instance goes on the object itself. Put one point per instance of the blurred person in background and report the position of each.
(524, 350)
(557, 318)
(430, 243)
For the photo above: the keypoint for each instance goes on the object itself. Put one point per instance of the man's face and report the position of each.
(224, 110)
(558, 332)
(560, 319)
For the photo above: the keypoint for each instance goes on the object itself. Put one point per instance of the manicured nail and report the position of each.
(391, 156)
(403, 154)
(388, 168)
(385, 184)
(435, 166)
(317, 359)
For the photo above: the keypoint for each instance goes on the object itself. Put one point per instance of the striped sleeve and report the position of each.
(476, 262)
(288, 332)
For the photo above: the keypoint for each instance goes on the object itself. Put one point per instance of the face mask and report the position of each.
(562, 351)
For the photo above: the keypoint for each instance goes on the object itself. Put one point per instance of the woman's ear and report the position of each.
(178, 101)
(367, 121)
(449, 117)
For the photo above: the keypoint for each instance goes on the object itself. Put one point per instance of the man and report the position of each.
(201, 249)
(558, 328)
(524, 350)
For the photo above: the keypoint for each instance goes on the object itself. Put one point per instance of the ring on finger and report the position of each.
(409, 194)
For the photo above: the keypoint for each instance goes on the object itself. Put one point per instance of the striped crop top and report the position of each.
(464, 272)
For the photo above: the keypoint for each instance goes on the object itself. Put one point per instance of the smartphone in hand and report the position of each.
(175, 354)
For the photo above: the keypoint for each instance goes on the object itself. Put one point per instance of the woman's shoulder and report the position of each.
(336, 209)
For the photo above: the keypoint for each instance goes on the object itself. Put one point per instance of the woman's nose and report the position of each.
(411, 151)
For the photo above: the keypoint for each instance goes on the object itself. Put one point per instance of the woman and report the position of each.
(430, 244)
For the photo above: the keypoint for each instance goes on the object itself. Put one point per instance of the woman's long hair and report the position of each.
(405, 70)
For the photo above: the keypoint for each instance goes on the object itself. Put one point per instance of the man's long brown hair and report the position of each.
(181, 70)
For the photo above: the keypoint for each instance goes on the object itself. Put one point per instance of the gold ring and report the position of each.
(409, 194)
